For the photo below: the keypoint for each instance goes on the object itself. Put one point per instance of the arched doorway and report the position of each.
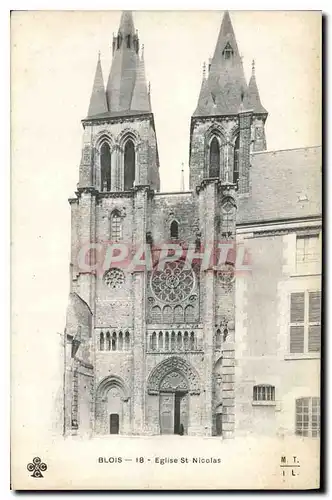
(173, 404)
(112, 407)
(173, 398)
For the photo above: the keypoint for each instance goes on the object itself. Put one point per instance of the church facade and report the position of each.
(223, 346)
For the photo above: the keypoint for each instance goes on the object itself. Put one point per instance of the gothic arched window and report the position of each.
(154, 341)
(179, 341)
(167, 315)
(102, 342)
(236, 168)
(173, 341)
(114, 341)
(116, 226)
(108, 341)
(228, 51)
(214, 163)
(119, 40)
(120, 342)
(129, 165)
(105, 165)
(186, 340)
(166, 341)
(127, 341)
(192, 341)
(178, 314)
(189, 314)
(156, 314)
(160, 341)
(174, 230)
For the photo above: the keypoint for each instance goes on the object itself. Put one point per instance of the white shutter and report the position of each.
(297, 339)
(297, 308)
(314, 307)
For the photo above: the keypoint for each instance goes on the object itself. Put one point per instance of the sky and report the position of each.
(54, 55)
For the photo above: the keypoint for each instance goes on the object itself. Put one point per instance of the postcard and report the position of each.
(166, 250)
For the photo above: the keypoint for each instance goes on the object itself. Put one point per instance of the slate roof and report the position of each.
(98, 104)
(225, 88)
(126, 91)
(286, 184)
(252, 99)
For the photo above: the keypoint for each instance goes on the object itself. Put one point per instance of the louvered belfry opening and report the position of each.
(105, 163)
(129, 165)
(236, 166)
(214, 158)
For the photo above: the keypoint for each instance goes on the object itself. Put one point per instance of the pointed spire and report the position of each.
(253, 100)
(126, 23)
(98, 103)
(140, 100)
(226, 80)
(205, 102)
(121, 81)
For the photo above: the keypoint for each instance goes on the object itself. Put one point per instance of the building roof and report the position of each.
(226, 84)
(286, 184)
(126, 91)
(127, 76)
(98, 104)
(252, 98)
(225, 89)
(140, 99)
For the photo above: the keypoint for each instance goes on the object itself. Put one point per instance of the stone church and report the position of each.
(215, 350)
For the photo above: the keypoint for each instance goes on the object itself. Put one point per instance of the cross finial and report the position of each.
(253, 67)
(98, 55)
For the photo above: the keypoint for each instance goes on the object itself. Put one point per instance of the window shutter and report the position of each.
(296, 339)
(297, 308)
(314, 338)
(314, 307)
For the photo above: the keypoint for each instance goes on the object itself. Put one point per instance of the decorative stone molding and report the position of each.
(171, 365)
(111, 381)
(122, 212)
(86, 190)
(104, 136)
(128, 133)
(115, 194)
(116, 119)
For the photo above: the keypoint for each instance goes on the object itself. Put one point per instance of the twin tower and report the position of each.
(152, 351)
(120, 145)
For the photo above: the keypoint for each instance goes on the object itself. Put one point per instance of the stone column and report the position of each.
(87, 232)
(139, 322)
(87, 279)
(258, 128)
(208, 199)
(245, 118)
(228, 343)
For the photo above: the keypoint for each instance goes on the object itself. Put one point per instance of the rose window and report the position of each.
(174, 283)
(114, 278)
